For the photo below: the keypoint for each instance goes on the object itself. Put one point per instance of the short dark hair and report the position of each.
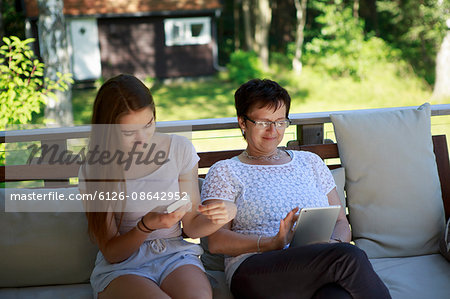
(260, 93)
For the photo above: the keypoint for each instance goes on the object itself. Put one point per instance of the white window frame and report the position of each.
(186, 37)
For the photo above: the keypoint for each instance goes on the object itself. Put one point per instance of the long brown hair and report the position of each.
(117, 97)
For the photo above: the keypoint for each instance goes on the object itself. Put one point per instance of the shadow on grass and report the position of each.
(194, 100)
(211, 98)
(82, 103)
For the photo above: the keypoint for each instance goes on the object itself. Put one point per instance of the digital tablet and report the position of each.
(315, 225)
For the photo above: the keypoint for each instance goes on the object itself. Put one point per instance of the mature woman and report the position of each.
(269, 185)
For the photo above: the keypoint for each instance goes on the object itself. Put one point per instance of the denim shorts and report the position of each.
(154, 260)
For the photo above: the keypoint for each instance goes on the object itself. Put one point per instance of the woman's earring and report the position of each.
(243, 132)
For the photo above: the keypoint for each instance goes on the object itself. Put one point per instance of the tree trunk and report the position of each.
(356, 9)
(299, 34)
(442, 84)
(372, 8)
(54, 52)
(2, 28)
(249, 41)
(262, 27)
(237, 40)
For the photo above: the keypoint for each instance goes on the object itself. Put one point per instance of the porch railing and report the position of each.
(309, 130)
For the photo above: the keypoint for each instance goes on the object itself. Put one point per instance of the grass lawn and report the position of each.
(310, 92)
(385, 86)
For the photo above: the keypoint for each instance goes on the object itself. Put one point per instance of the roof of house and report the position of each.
(125, 7)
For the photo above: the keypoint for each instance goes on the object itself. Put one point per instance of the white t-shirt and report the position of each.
(264, 194)
(182, 157)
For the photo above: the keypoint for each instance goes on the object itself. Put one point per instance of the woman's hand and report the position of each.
(286, 231)
(156, 221)
(218, 212)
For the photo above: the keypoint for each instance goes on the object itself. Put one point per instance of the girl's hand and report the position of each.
(286, 231)
(156, 221)
(218, 212)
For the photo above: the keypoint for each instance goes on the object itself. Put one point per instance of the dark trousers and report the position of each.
(316, 271)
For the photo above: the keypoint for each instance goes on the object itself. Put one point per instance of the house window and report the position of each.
(187, 31)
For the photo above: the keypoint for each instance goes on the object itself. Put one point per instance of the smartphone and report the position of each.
(176, 205)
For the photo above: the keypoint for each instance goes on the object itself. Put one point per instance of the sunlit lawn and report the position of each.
(310, 92)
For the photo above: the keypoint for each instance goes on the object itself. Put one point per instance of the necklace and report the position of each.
(275, 156)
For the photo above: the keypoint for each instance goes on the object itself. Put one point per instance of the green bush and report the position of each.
(23, 87)
(342, 49)
(244, 66)
(280, 61)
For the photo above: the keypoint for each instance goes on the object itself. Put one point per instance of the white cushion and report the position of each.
(393, 189)
(44, 248)
(73, 291)
(416, 277)
(339, 178)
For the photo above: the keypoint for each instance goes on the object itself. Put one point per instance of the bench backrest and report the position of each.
(58, 175)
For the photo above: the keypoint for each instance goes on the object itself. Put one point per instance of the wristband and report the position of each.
(257, 243)
(148, 230)
(139, 228)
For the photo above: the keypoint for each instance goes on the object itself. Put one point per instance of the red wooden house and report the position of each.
(148, 38)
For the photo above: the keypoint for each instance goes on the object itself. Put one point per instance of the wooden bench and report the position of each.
(59, 175)
(71, 275)
(330, 151)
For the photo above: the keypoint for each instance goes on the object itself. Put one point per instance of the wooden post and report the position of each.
(61, 146)
(310, 134)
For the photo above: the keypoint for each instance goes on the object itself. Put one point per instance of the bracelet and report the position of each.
(257, 243)
(139, 228)
(148, 230)
(145, 226)
(337, 240)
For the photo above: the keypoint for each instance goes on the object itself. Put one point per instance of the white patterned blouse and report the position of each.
(264, 194)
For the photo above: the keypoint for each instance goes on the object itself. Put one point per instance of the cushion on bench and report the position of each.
(71, 291)
(417, 277)
(393, 189)
(40, 249)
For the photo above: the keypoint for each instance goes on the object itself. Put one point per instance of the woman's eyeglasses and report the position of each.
(279, 124)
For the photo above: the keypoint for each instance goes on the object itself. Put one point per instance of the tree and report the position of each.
(2, 29)
(248, 32)
(442, 84)
(53, 44)
(356, 9)
(415, 27)
(262, 26)
(299, 34)
(12, 19)
(237, 41)
(24, 89)
(257, 17)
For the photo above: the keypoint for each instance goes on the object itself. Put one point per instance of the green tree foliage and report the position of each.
(13, 19)
(416, 28)
(339, 42)
(342, 48)
(23, 87)
(244, 66)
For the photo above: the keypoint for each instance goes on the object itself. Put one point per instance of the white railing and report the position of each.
(299, 119)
